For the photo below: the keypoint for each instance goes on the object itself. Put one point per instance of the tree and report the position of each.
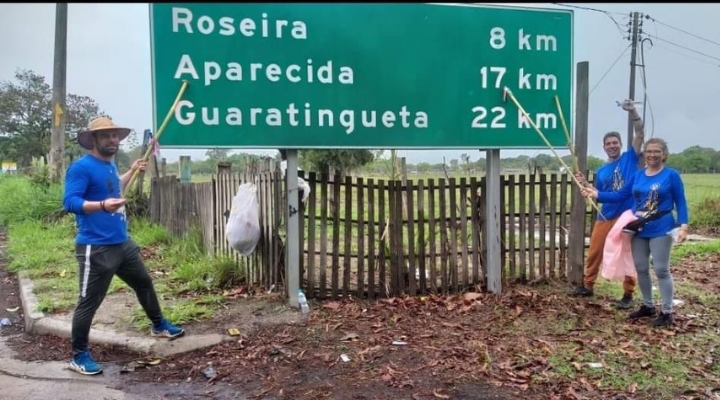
(216, 155)
(593, 163)
(424, 167)
(343, 161)
(26, 118)
(677, 161)
(545, 162)
(699, 159)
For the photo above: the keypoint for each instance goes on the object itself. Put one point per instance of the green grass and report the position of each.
(619, 372)
(656, 372)
(44, 249)
(694, 250)
(700, 186)
(22, 200)
(45, 252)
(181, 311)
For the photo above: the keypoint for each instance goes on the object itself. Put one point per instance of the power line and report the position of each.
(607, 13)
(643, 76)
(684, 47)
(609, 69)
(683, 31)
(688, 55)
(589, 9)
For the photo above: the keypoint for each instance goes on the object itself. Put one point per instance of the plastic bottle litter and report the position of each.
(209, 372)
(302, 300)
(620, 103)
(674, 234)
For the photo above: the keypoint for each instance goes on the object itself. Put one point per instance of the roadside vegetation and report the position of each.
(41, 244)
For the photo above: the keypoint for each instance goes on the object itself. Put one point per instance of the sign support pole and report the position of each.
(292, 245)
(492, 222)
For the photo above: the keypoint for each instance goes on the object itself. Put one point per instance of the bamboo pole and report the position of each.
(160, 131)
(567, 137)
(508, 93)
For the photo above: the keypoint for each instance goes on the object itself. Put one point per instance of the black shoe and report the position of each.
(582, 291)
(663, 320)
(625, 303)
(642, 312)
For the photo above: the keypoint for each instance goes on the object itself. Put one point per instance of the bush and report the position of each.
(28, 199)
(706, 214)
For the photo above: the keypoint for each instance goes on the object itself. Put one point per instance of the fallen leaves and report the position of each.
(538, 343)
(331, 305)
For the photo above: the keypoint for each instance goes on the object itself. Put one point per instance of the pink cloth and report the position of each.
(617, 254)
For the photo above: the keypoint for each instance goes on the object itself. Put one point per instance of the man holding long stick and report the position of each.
(610, 178)
(93, 188)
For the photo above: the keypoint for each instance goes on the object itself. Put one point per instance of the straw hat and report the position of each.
(84, 137)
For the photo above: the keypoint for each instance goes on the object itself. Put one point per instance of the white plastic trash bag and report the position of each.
(242, 230)
(302, 185)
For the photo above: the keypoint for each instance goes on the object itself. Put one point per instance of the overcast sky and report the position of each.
(109, 60)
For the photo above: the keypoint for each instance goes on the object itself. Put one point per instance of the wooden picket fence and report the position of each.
(371, 238)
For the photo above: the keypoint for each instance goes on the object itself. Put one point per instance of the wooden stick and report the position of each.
(567, 137)
(159, 132)
(567, 133)
(542, 136)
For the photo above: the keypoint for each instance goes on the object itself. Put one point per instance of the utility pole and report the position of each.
(633, 62)
(57, 135)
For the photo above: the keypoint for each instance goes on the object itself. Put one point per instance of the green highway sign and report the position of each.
(404, 76)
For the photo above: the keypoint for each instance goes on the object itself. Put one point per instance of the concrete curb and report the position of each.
(37, 323)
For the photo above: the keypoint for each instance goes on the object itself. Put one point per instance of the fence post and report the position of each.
(185, 169)
(492, 222)
(576, 250)
(292, 241)
(223, 167)
(163, 167)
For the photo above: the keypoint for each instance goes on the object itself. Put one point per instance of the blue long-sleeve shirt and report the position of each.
(92, 179)
(662, 192)
(611, 177)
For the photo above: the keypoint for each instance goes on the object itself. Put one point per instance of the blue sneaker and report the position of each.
(167, 330)
(83, 363)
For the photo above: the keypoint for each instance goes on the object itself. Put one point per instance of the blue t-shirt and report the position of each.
(92, 179)
(661, 192)
(611, 177)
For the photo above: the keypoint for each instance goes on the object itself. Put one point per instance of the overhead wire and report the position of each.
(683, 47)
(683, 31)
(609, 14)
(703, 60)
(687, 55)
(643, 75)
(610, 69)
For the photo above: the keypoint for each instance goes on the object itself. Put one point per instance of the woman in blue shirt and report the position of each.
(655, 191)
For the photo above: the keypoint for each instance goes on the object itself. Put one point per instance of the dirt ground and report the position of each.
(471, 346)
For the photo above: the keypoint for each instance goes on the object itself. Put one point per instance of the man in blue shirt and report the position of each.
(93, 192)
(611, 177)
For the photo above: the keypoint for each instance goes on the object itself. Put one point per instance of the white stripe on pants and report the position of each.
(86, 270)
